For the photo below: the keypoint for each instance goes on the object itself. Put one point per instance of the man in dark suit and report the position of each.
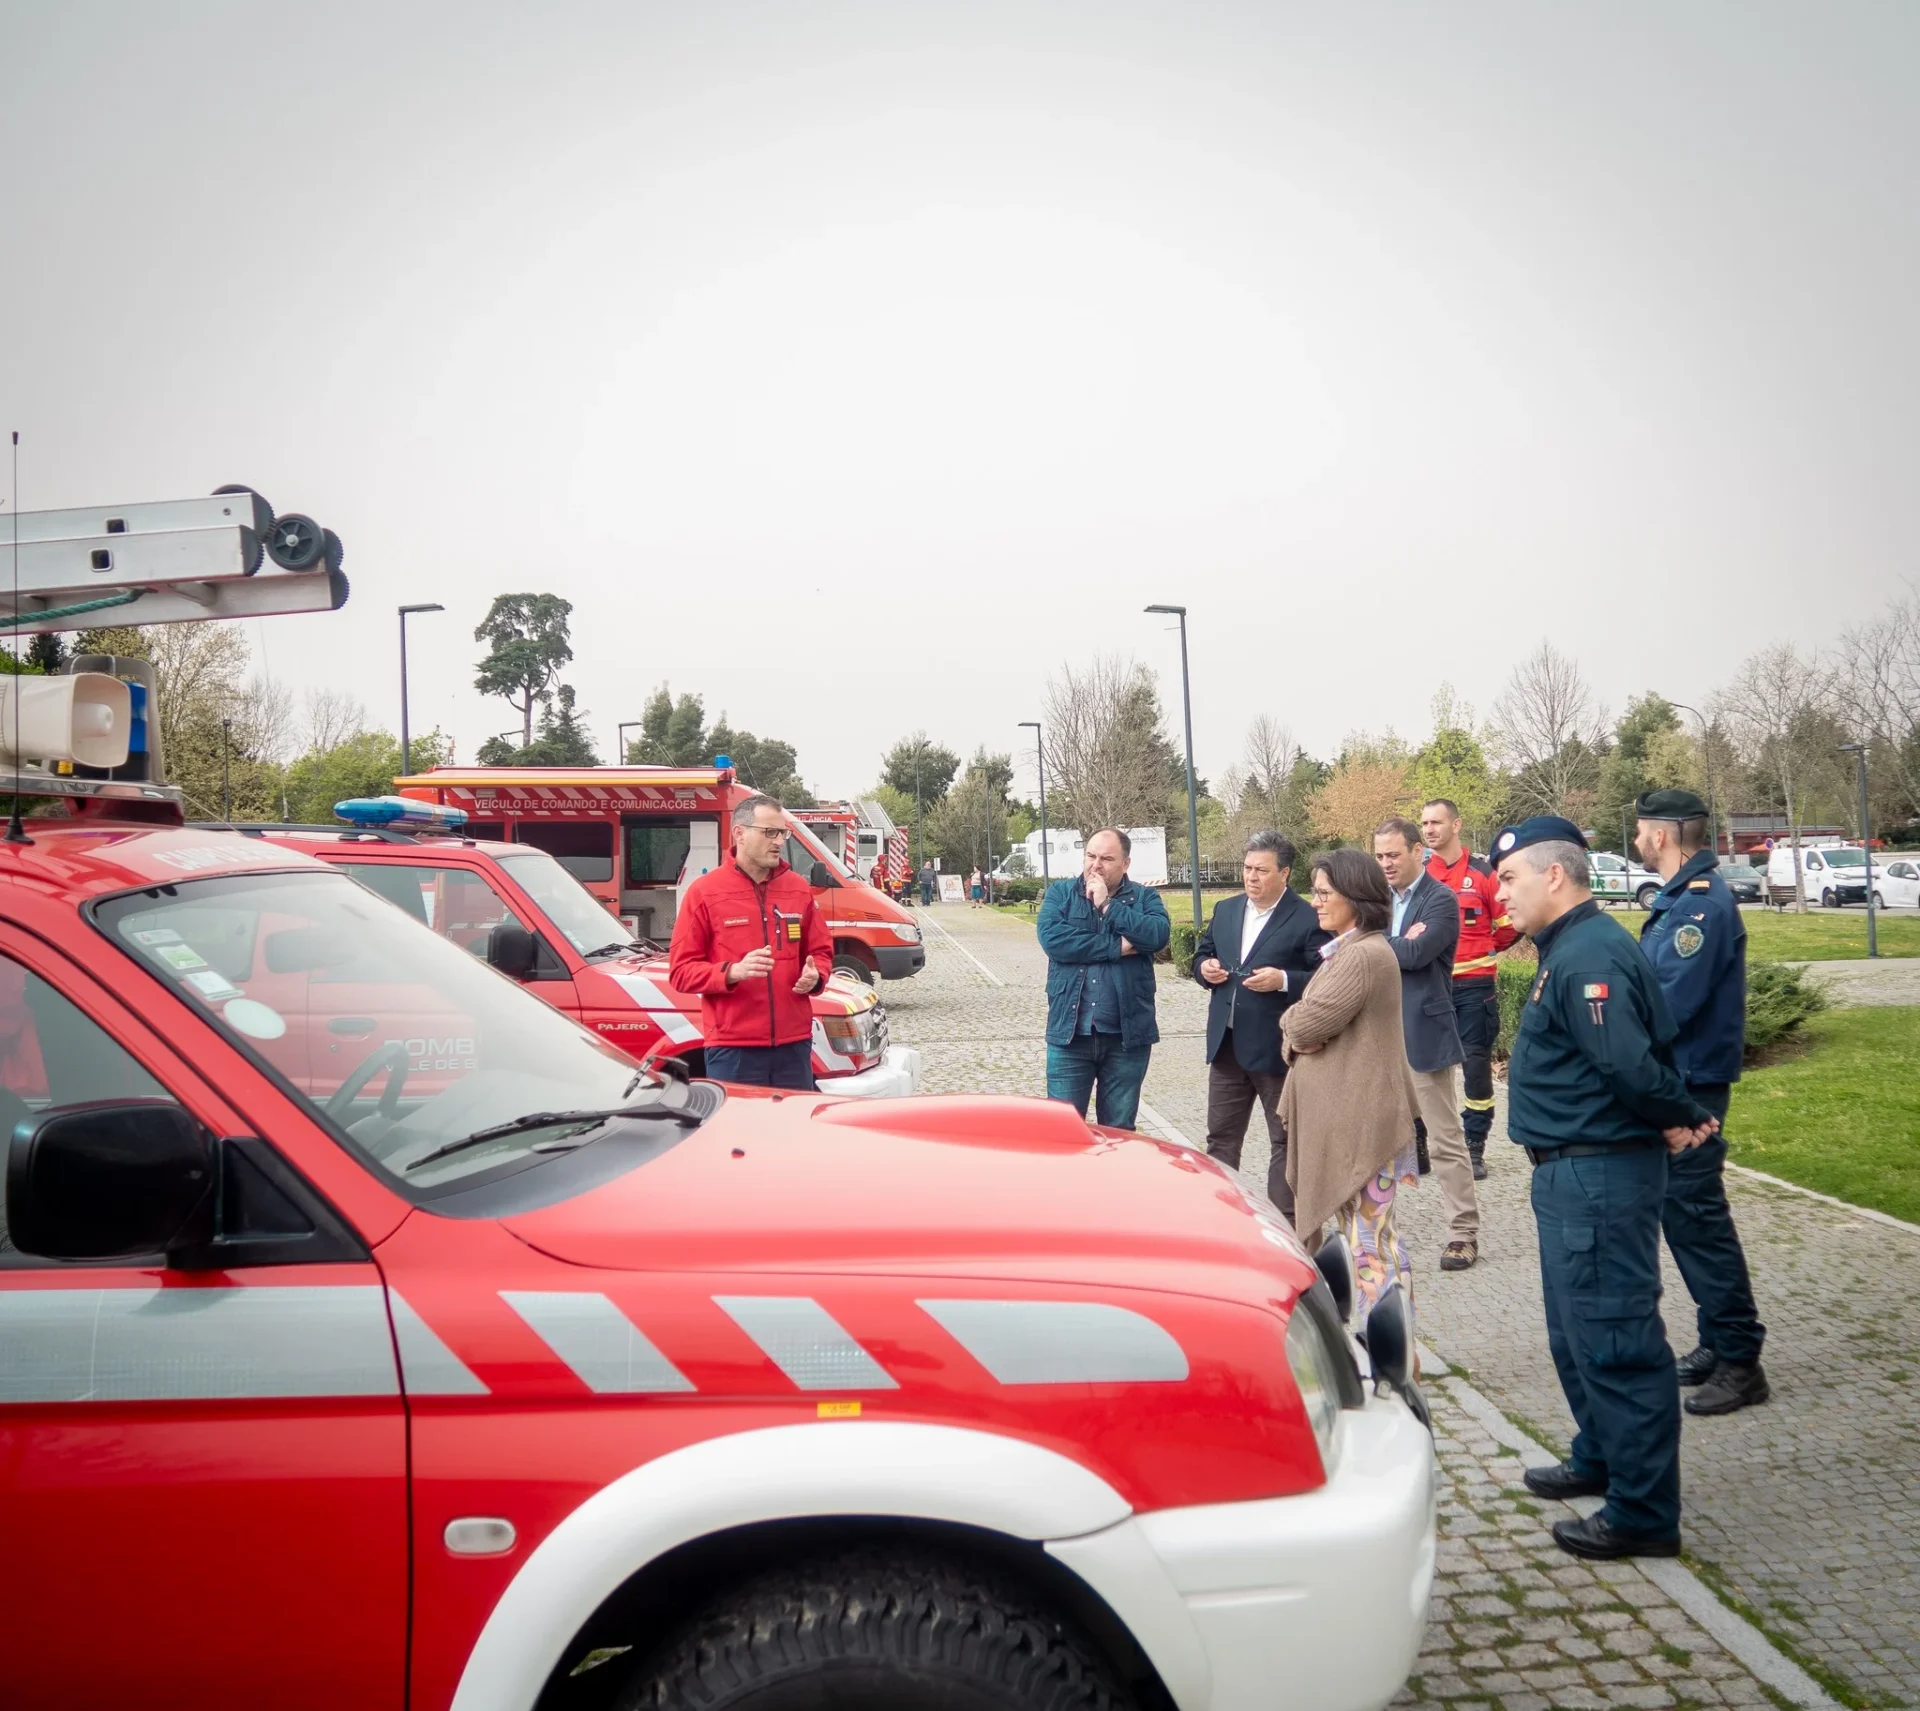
(1425, 933)
(1256, 957)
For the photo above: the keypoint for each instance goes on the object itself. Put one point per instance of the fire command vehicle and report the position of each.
(638, 836)
(373, 1335)
(517, 909)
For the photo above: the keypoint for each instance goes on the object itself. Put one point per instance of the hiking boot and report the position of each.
(1563, 1481)
(1731, 1388)
(1599, 1540)
(1459, 1256)
(1479, 1166)
(1697, 1367)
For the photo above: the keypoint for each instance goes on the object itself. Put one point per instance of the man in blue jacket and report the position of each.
(1697, 943)
(1101, 933)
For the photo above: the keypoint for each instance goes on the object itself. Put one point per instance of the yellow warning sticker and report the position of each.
(838, 1410)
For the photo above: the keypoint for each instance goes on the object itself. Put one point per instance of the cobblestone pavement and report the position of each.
(1806, 1511)
(1886, 980)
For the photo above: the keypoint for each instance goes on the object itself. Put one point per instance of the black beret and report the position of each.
(1670, 805)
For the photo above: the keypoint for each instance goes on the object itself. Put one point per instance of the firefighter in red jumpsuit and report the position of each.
(1485, 931)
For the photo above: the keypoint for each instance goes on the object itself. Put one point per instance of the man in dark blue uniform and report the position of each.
(1697, 943)
(1593, 1097)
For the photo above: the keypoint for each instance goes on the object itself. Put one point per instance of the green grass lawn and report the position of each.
(1843, 1117)
(1826, 934)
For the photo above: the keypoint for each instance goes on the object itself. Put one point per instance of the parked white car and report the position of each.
(1616, 880)
(1831, 874)
(1898, 883)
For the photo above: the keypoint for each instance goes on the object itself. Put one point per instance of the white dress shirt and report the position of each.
(1250, 927)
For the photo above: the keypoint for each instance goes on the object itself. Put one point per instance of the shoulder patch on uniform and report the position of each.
(1687, 940)
(1699, 885)
(1539, 986)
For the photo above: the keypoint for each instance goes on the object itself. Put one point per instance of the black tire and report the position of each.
(845, 964)
(331, 551)
(296, 542)
(874, 1631)
(262, 519)
(1826, 900)
(1645, 895)
(1879, 902)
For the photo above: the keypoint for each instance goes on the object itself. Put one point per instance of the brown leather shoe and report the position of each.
(1459, 1256)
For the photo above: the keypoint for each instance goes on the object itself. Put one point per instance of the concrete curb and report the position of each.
(1814, 1194)
(1742, 1641)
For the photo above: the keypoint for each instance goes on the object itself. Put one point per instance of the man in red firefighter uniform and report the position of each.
(749, 940)
(1485, 931)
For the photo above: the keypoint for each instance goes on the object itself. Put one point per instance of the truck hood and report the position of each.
(615, 982)
(980, 1186)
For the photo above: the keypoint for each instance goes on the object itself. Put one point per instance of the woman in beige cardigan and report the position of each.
(1349, 1104)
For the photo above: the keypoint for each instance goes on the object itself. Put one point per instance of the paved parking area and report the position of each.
(1805, 1512)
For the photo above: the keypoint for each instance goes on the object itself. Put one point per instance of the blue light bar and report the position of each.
(399, 811)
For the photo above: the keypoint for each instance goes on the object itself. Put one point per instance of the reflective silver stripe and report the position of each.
(168, 1345)
(431, 1368)
(1062, 1342)
(806, 1342)
(607, 1352)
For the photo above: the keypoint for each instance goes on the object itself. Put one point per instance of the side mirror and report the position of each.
(1335, 1261)
(511, 949)
(820, 877)
(1390, 1351)
(113, 1179)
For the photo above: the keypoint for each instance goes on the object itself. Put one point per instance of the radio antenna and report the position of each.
(16, 833)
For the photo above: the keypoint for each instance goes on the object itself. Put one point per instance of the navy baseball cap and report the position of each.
(1541, 829)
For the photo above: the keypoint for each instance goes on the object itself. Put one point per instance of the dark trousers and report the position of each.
(1231, 1092)
(1073, 1070)
(1476, 1007)
(1699, 1228)
(764, 1066)
(1599, 1224)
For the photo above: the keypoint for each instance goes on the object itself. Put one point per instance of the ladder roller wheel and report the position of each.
(296, 542)
(262, 519)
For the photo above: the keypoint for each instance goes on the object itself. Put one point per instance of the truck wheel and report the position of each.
(1826, 900)
(1879, 902)
(844, 963)
(1645, 895)
(874, 1632)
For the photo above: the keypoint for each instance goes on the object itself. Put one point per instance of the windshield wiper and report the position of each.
(551, 1120)
(622, 947)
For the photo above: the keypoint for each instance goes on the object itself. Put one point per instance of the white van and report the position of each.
(1831, 874)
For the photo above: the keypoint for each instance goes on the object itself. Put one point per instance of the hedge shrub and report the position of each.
(1780, 998)
(1186, 937)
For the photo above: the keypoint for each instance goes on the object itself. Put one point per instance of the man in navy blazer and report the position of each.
(1425, 934)
(1255, 958)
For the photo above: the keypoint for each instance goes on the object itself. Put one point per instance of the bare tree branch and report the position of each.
(1550, 732)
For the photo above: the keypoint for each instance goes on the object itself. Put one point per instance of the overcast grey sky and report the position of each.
(856, 364)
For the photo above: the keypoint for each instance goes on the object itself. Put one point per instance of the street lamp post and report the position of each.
(1193, 801)
(1040, 762)
(620, 739)
(226, 769)
(406, 742)
(1706, 755)
(1859, 753)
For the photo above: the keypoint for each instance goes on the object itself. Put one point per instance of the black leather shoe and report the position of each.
(1420, 1153)
(1598, 1540)
(1730, 1389)
(1562, 1481)
(1696, 1368)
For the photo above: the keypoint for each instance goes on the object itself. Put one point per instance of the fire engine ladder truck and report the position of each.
(92, 731)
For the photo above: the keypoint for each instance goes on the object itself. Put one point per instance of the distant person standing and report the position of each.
(1485, 932)
(1697, 943)
(1593, 1097)
(927, 881)
(1101, 933)
(1255, 959)
(750, 941)
(1424, 933)
(976, 889)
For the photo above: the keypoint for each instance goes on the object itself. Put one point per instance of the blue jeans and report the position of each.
(764, 1066)
(1073, 1070)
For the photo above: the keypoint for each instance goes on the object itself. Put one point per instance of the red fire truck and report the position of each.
(517, 909)
(373, 1335)
(638, 836)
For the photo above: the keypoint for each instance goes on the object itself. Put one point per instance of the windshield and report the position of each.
(1843, 858)
(570, 906)
(403, 1040)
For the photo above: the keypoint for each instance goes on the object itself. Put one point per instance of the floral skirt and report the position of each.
(1379, 1256)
